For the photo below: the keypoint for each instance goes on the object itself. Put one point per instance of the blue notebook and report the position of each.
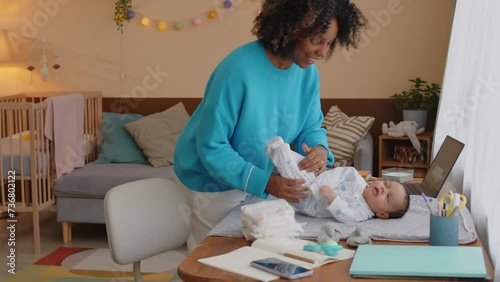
(418, 261)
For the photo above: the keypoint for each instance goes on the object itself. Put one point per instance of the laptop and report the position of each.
(439, 170)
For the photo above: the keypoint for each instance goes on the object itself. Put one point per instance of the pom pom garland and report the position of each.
(196, 21)
(125, 13)
(162, 25)
(145, 21)
(212, 14)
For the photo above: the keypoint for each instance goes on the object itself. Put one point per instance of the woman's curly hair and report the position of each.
(282, 22)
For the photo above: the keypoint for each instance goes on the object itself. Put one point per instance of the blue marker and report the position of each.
(426, 201)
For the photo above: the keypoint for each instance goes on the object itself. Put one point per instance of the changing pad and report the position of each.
(412, 227)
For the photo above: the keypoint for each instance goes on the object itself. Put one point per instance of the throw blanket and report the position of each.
(64, 127)
(412, 227)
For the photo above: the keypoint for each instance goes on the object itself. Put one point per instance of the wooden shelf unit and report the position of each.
(386, 152)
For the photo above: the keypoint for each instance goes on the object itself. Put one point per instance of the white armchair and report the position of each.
(145, 218)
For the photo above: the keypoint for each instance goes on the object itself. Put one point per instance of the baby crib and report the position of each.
(27, 165)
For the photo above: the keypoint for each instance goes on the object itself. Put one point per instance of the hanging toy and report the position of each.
(44, 67)
(43, 62)
(31, 68)
(56, 66)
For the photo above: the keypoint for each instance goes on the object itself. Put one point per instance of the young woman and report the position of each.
(266, 88)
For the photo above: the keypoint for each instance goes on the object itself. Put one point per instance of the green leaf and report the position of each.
(421, 96)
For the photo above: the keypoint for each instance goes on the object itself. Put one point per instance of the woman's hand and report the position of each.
(315, 159)
(287, 189)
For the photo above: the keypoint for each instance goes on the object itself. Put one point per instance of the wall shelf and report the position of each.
(387, 155)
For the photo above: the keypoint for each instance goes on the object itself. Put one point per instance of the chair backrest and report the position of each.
(145, 218)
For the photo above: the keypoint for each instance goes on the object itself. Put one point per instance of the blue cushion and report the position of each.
(117, 144)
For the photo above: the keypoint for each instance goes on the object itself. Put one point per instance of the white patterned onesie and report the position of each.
(349, 205)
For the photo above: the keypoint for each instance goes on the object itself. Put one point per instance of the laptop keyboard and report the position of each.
(418, 188)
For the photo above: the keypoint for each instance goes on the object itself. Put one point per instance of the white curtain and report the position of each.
(469, 110)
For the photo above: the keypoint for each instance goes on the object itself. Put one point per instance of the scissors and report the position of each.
(456, 202)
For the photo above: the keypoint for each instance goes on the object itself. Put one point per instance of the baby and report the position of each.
(341, 192)
(355, 200)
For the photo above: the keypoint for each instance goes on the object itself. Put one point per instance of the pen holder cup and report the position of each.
(443, 230)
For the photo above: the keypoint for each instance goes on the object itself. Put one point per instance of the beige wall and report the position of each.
(406, 39)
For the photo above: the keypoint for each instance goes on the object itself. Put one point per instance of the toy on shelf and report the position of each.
(404, 128)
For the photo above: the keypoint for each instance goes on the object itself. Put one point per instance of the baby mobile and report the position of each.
(44, 47)
(124, 12)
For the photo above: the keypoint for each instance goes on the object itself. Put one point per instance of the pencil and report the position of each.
(299, 258)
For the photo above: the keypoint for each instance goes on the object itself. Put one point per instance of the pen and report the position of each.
(426, 201)
(299, 258)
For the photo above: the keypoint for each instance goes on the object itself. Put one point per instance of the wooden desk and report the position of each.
(191, 270)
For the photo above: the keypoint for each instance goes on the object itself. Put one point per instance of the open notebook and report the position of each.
(238, 261)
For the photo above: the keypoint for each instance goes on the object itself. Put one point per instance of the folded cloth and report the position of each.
(64, 126)
(274, 218)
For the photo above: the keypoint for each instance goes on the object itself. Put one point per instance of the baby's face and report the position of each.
(384, 197)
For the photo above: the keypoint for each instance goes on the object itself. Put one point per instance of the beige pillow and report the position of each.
(343, 133)
(333, 116)
(157, 134)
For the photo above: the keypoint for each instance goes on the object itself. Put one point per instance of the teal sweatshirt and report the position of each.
(247, 102)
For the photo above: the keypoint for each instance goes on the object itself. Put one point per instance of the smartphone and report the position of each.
(281, 268)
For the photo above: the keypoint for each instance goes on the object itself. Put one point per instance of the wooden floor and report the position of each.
(83, 235)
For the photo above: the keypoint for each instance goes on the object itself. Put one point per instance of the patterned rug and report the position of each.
(95, 265)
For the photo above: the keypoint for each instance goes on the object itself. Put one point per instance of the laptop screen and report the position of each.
(443, 163)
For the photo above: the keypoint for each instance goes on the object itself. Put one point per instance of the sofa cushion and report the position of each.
(94, 180)
(157, 134)
(117, 145)
(343, 133)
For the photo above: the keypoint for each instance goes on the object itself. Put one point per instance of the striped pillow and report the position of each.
(333, 116)
(343, 133)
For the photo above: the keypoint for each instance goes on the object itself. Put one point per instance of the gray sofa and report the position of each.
(80, 194)
(363, 156)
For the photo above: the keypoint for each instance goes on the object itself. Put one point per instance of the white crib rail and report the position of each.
(22, 121)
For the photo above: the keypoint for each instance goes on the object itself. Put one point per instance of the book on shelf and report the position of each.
(287, 249)
(408, 154)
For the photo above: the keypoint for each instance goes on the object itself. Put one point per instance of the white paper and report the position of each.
(296, 247)
(238, 261)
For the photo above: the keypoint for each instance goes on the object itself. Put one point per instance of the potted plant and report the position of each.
(418, 100)
(123, 11)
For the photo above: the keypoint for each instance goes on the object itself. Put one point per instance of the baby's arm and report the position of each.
(328, 193)
(343, 211)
